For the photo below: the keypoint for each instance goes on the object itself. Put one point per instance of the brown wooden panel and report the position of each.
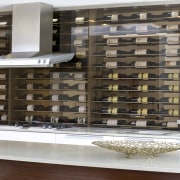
(16, 170)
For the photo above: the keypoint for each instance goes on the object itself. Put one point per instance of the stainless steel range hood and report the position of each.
(32, 38)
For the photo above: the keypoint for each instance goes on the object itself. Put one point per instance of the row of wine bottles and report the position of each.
(54, 97)
(146, 76)
(139, 111)
(118, 17)
(137, 123)
(143, 100)
(53, 108)
(54, 86)
(143, 88)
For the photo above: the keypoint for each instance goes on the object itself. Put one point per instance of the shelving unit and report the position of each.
(136, 62)
(125, 72)
(5, 48)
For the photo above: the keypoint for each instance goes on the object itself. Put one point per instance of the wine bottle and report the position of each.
(169, 76)
(144, 75)
(80, 98)
(174, 88)
(113, 18)
(81, 20)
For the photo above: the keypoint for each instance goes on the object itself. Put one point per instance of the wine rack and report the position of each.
(125, 72)
(136, 68)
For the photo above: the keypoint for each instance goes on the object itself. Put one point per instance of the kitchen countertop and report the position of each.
(72, 146)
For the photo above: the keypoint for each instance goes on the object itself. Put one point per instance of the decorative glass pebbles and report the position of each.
(131, 148)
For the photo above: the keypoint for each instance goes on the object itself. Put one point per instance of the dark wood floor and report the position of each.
(16, 170)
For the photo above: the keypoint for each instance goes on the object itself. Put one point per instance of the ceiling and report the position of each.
(6, 5)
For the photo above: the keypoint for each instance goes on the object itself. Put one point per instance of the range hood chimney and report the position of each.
(32, 38)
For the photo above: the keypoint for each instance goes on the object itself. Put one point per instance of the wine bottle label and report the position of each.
(55, 75)
(52, 119)
(170, 100)
(78, 76)
(79, 20)
(114, 18)
(170, 87)
(144, 100)
(55, 86)
(29, 86)
(109, 110)
(82, 109)
(115, 76)
(141, 28)
(110, 87)
(111, 65)
(109, 99)
(145, 88)
(140, 75)
(171, 52)
(112, 122)
(78, 42)
(31, 118)
(2, 97)
(139, 88)
(30, 75)
(114, 99)
(4, 117)
(55, 97)
(141, 123)
(111, 53)
(3, 34)
(170, 111)
(110, 75)
(144, 111)
(30, 107)
(81, 86)
(2, 76)
(78, 30)
(139, 111)
(115, 87)
(81, 54)
(81, 120)
(113, 29)
(143, 16)
(172, 124)
(175, 76)
(174, 14)
(29, 97)
(176, 112)
(141, 64)
(140, 51)
(142, 40)
(139, 99)
(172, 27)
(2, 86)
(26, 118)
(170, 76)
(82, 98)
(145, 76)
(175, 88)
(112, 41)
(176, 100)
(170, 63)
(55, 108)
(173, 40)
(114, 110)
(2, 107)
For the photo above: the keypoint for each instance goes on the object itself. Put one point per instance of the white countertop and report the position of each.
(72, 146)
(90, 156)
